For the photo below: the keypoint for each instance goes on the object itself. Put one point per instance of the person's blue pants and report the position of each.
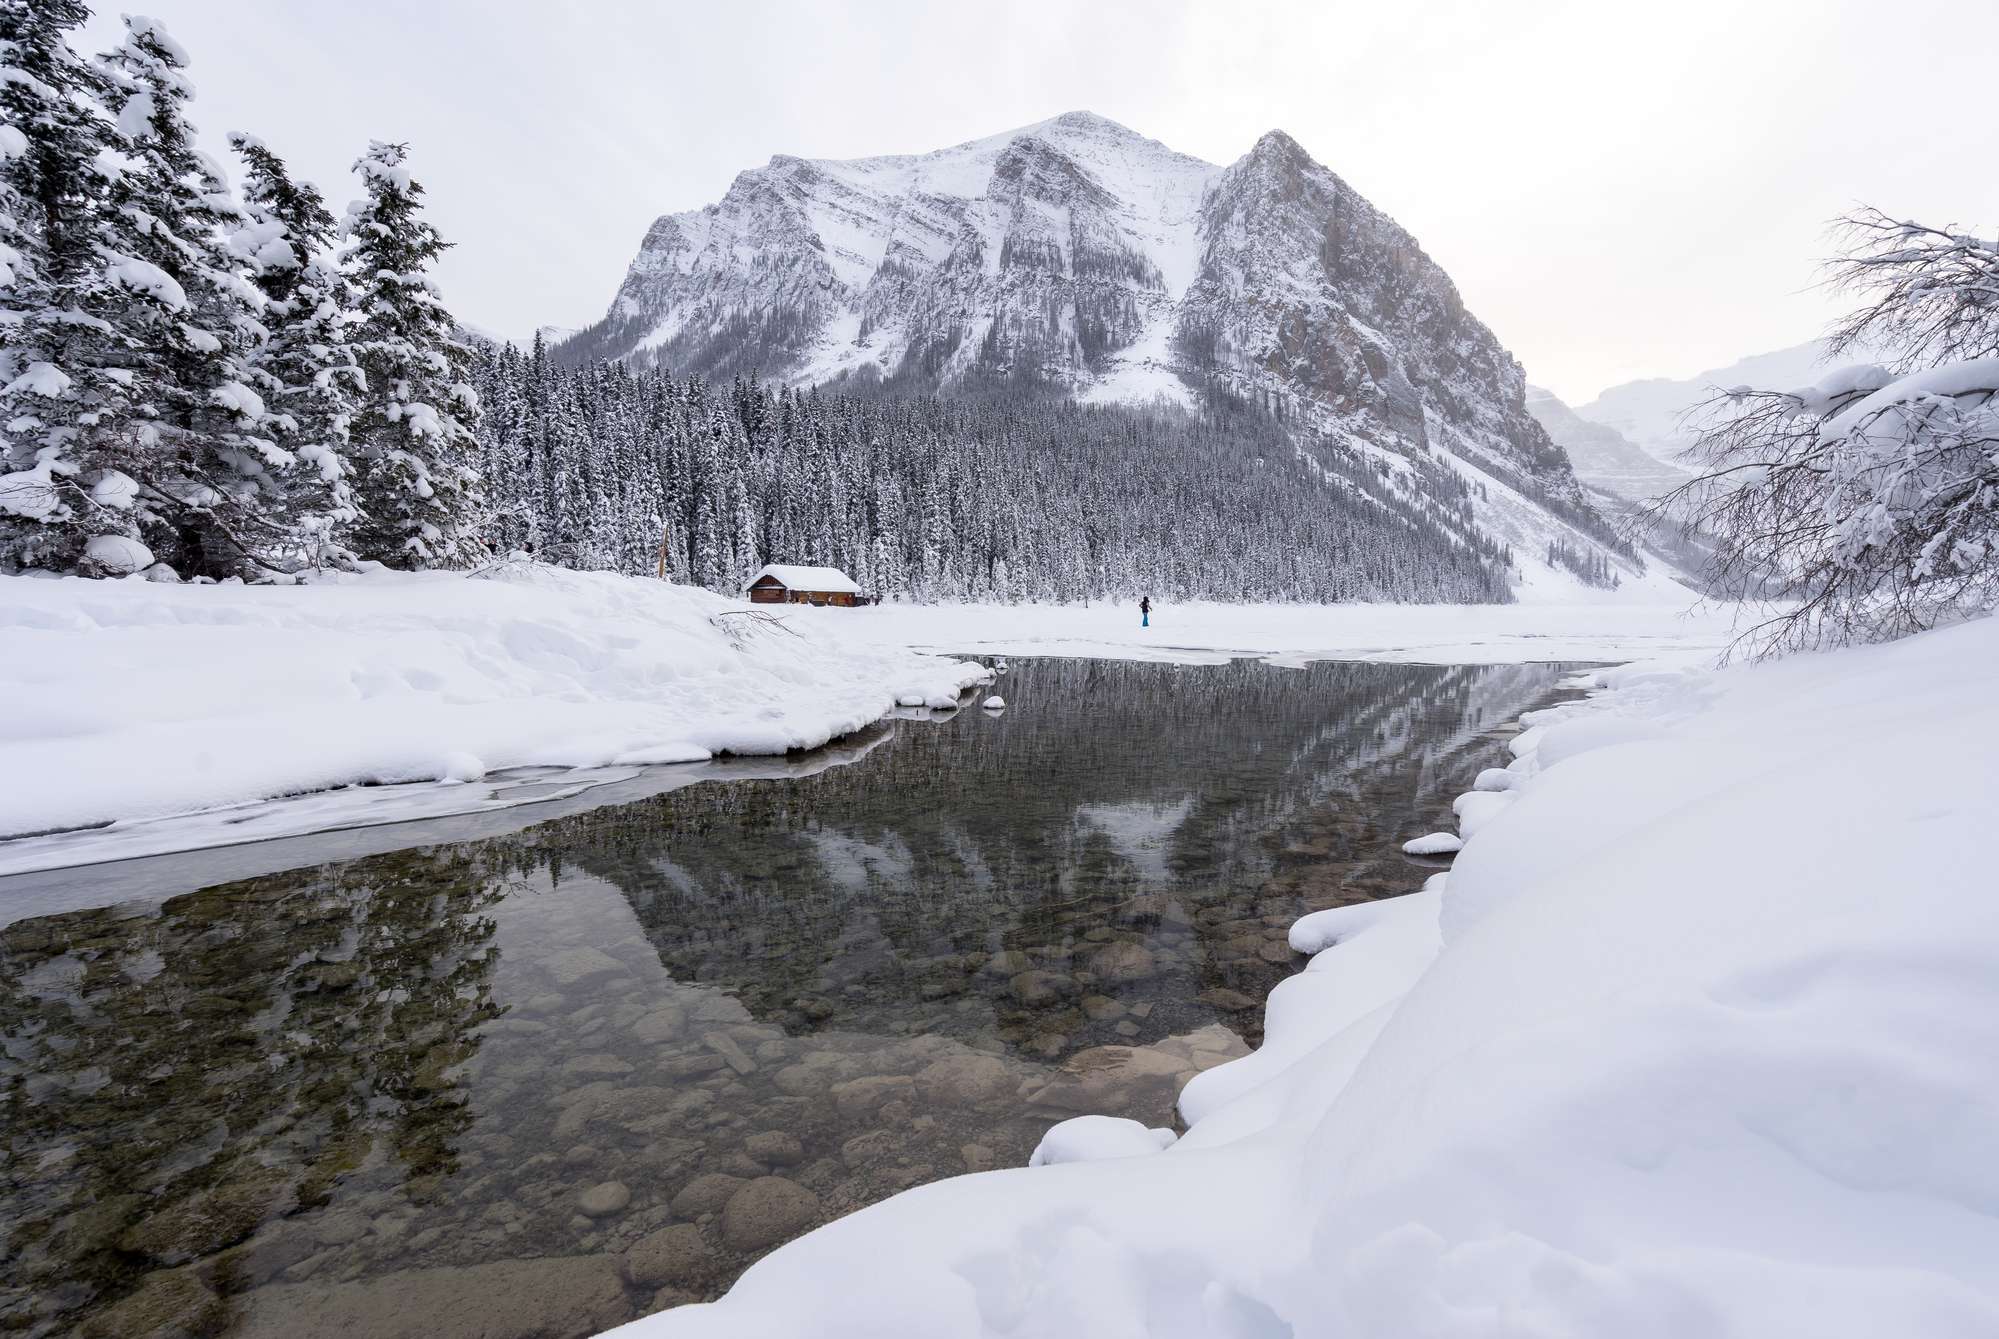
(1145, 620)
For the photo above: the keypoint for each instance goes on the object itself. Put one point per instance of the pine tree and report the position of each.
(304, 369)
(186, 315)
(957, 499)
(61, 390)
(415, 479)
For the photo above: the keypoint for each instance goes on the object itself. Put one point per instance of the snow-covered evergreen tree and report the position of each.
(186, 317)
(919, 497)
(304, 369)
(60, 391)
(415, 460)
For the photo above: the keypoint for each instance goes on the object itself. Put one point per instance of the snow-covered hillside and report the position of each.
(1602, 456)
(134, 700)
(1077, 253)
(1694, 1040)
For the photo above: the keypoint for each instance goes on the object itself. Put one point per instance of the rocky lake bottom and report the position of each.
(534, 1085)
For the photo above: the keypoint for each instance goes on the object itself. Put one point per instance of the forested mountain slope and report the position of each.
(993, 497)
(1077, 255)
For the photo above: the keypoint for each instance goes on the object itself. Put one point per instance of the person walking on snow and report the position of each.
(1145, 611)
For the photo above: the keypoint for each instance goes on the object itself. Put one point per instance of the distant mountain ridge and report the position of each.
(1600, 454)
(1656, 414)
(1077, 256)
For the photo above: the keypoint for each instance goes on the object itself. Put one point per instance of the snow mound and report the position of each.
(1631, 1068)
(117, 554)
(1435, 843)
(1094, 1138)
(135, 699)
(995, 702)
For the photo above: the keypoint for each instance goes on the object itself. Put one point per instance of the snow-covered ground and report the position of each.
(1570, 624)
(131, 703)
(158, 717)
(1696, 1039)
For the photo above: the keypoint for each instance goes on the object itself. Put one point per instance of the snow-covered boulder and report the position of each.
(1476, 808)
(1435, 843)
(1095, 1138)
(117, 555)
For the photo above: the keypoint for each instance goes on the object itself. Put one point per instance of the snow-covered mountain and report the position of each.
(1077, 254)
(1654, 414)
(1603, 458)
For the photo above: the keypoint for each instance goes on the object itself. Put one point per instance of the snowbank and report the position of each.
(1696, 1039)
(1594, 625)
(128, 700)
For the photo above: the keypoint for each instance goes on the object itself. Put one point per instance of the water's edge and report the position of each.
(596, 1062)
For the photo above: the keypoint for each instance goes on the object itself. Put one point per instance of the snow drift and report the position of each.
(128, 700)
(1695, 1039)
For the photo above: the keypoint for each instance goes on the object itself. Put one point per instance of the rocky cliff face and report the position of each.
(1079, 255)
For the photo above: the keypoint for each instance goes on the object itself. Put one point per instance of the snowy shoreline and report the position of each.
(172, 718)
(159, 717)
(1693, 1039)
(1596, 626)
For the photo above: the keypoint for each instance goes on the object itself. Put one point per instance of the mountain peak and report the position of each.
(1078, 255)
(1088, 120)
(1277, 149)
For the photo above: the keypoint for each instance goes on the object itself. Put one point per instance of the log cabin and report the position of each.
(781, 583)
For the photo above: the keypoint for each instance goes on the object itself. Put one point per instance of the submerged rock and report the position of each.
(1123, 962)
(775, 1147)
(767, 1211)
(600, 1201)
(705, 1194)
(572, 965)
(169, 1304)
(209, 1220)
(662, 1024)
(1037, 987)
(676, 1256)
(971, 1080)
(503, 1299)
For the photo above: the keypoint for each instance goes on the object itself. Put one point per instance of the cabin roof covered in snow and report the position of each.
(808, 578)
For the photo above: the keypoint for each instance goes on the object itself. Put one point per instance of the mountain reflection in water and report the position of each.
(542, 1082)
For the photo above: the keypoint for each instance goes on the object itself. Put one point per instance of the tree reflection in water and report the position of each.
(535, 1073)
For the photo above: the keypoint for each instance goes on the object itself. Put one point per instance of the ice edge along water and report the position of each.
(159, 717)
(1694, 1039)
(175, 716)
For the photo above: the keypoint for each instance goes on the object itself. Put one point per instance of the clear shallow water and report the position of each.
(544, 1082)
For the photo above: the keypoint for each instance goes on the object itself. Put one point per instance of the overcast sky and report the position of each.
(1619, 190)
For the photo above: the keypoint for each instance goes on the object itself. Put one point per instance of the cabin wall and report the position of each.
(769, 592)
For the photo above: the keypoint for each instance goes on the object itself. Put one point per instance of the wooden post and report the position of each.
(663, 535)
